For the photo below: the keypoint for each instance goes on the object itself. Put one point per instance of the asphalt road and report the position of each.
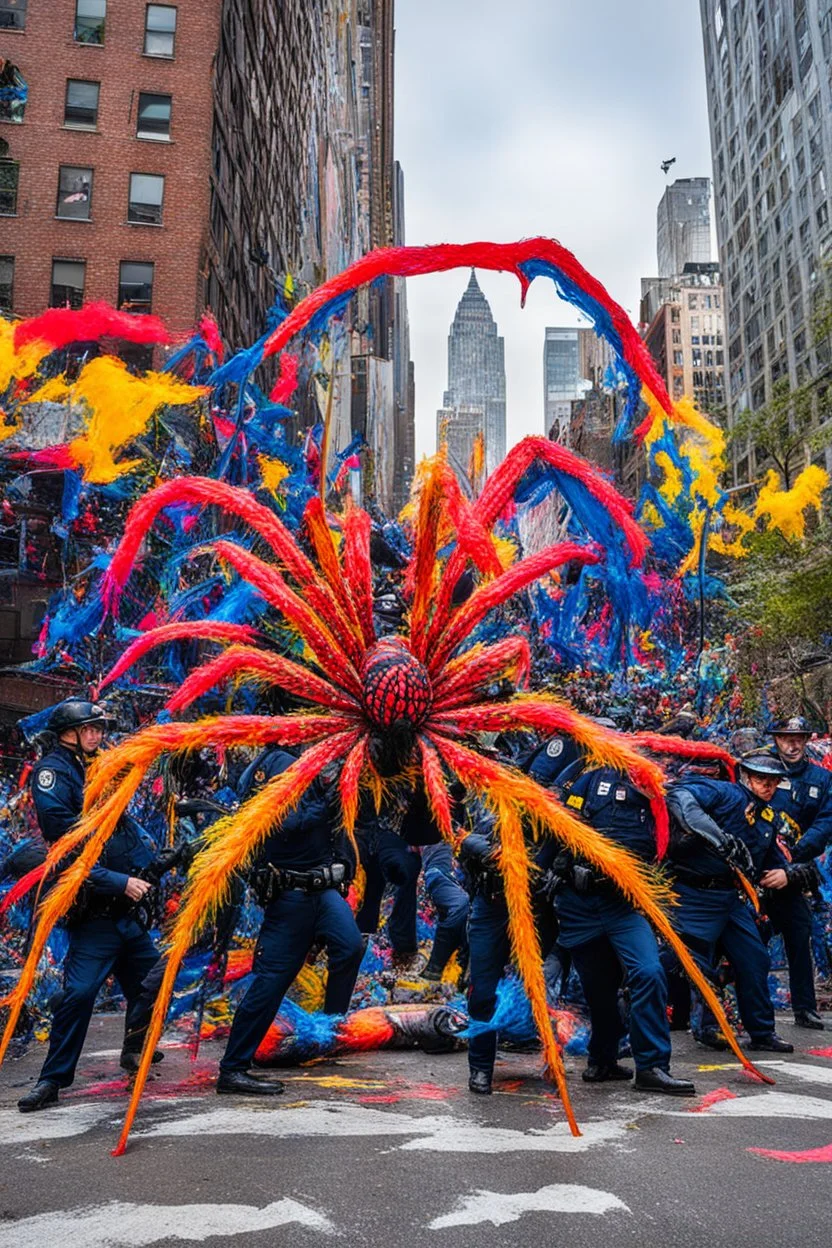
(390, 1149)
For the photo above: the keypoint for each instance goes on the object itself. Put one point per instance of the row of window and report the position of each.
(90, 22)
(135, 284)
(153, 113)
(145, 196)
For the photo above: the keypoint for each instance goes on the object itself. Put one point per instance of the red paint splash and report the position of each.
(820, 1052)
(712, 1098)
(800, 1158)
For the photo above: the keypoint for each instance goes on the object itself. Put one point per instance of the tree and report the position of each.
(782, 429)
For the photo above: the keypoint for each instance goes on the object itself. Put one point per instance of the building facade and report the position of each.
(768, 66)
(686, 338)
(476, 383)
(683, 225)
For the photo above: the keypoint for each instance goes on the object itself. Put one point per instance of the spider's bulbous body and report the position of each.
(396, 688)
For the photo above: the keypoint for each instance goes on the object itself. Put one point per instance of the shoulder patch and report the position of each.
(604, 788)
(575, 801)
(46, 779)
(555, 747)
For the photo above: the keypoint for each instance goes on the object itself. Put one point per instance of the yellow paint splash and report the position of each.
(786, 509)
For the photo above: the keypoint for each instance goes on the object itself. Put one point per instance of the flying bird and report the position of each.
(667, 163)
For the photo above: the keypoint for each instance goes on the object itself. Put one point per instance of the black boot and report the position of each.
(605, 1072)
(808, 1018)
(130, 1061)
(241, 1084)
(771, 1044)
(479, 1081)
(658, 1080)
(41, 1096)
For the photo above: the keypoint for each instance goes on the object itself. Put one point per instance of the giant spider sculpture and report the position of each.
(429, 685)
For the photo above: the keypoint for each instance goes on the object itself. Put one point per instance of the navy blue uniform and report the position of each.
(105, 939)
(711, 913)
(387, 858)
(804, 796)
(309, 837)
(606, 936)
(452, 903)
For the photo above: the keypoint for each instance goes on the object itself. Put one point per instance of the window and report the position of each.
(67, 283)
(9, 174)
(81, 105)
(154, 116)
(74, 193)
(89, 20)
(12, 14)
(6, 279)
(135, 286)
(14, 91)
(159, 30)
(144, 206)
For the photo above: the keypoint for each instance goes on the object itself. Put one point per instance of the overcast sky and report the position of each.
(517, 118)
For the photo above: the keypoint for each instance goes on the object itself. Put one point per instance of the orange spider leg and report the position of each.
(267, 666)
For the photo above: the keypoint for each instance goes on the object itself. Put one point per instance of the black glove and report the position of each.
(477, 848)
(804, 876)
(735, 852)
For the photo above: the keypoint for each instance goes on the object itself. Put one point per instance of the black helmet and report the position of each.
(759, 763)
(795, 725)
(74, 713)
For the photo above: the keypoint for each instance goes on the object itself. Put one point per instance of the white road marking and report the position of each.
(804, 1071)
(122, 1225)
(763, 1105)
(52, 1124)
(501, 1207)
(332, 1119)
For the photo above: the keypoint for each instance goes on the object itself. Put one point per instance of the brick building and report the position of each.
(686, 338)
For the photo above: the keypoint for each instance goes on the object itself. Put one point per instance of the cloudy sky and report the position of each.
(517, 118)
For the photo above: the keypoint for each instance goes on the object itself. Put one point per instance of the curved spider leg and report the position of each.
(358, 568)
(270, 667)
(464, 678)
(181, 630)
(333, 660)
(516, 870)
(631, 876)
(436, 788)
(487, 597)
(681, 747)
(231, 843)
(320, 535)
(203, 491)
(546, 713)
(348, 785)
(498, 493)
(422, 570)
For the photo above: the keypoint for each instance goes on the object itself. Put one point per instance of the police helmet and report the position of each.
(74, 713)
(759, 763)
(795, 725)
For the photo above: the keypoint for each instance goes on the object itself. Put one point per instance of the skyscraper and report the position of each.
(683, 221)
(561, 374)
(768, 71)
(476, 395)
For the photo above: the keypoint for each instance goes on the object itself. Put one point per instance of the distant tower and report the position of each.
(476, 395)
(683, 221)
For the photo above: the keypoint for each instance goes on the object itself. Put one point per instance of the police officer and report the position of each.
(451, 901)
(721, 832)
(388, 859)
(105, 935)
(804, 795)
(302, 876)
(610, 942)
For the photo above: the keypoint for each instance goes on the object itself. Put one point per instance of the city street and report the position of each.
(390, 1148)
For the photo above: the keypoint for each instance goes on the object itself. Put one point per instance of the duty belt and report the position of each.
(272, 880)
(692, 880)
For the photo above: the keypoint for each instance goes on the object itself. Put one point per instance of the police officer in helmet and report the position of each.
(105, 935)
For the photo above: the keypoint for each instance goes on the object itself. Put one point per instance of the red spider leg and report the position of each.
(679, 747)
(423, 562)
(267, 665)
(320, 534)
(358, 568)
(205, 492)
(183, 630)
(462, 680)
(338, 666)
(633, 879)
(499, 489)
(348, 790)
(606, 747)
(436, 788)
(231, 842)
(487, 597)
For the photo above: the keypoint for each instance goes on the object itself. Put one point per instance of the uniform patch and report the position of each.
(785, 784)
(555, 748)
(621, 795)
(814, 791)
(259, 777)
(604, 788)
(46, 779)
(574, 800)
(767, 813)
